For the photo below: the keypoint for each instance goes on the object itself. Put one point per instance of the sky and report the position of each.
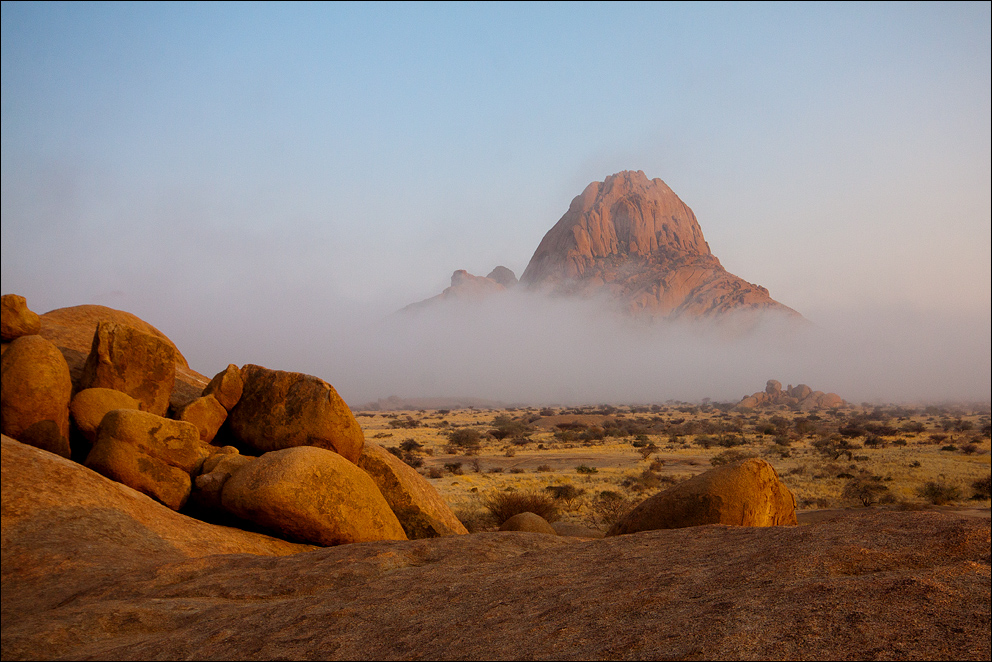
(268, 183)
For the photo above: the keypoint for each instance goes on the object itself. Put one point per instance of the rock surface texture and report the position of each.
(94, 570)
(633, 239)
(746, 493)
(279, 409)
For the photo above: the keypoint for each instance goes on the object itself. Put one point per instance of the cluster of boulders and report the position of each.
(273, 450)
(799, 397)
(279, 450)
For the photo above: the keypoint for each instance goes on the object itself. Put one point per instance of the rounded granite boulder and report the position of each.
(746, 493)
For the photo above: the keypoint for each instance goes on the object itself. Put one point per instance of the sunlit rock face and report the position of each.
(633, 240)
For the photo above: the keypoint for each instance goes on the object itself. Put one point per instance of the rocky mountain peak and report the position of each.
(626, 215)
(635, 239)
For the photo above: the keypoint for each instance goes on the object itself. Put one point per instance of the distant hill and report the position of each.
(633, 240)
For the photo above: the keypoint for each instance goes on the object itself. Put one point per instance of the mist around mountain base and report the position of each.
(529, 348)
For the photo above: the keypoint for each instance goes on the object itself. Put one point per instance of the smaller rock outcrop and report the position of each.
(16, 319)
(134, 362)
(528, 522)
(149, 453)
(800, 397)
(746, 493)
(466, 287)
(311, 495)
(503, 276)
(35, 388)
(279, 409)
(420, 509)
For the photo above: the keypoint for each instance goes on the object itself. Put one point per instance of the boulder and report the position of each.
(129, 360)
(418, 506)
(280, 410)
(746, 493)
(149, 453)
(528, 522)
(16, 319)
(217, 469)
(311, 495)
(35, 388)
(773, 387)
(800, 392)
(71, 330)
(207, 414)
(226, 386)
(90, 406)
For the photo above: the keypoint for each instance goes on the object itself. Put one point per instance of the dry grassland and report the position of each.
(881, 456)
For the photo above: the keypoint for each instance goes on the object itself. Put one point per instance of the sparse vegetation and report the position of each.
(601, 450)
(504, 505)
(939, 492)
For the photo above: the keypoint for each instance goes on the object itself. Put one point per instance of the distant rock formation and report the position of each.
(466, 287)
(801, 397)
(635, 240)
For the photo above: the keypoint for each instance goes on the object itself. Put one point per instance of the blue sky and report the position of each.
(200, 164)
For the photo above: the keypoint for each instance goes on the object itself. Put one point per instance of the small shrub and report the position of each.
(516, 470)
(435, 472)
(465, 439)
(949, 447)
(938, 492)
(454, 467)
(583, 469)
(475, 520)
(496, 470)
(568, 494)
(983, 488)
(504, 505)
(866, 489)
(608, 508)
(544, 468)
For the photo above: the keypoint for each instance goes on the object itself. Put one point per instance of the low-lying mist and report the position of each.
(529, 349)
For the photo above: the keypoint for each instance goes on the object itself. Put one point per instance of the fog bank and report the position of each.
(529, 349)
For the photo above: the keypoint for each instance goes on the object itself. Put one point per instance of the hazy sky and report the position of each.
(262, 182)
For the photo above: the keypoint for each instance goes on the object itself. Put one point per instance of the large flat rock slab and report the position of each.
(863, 585)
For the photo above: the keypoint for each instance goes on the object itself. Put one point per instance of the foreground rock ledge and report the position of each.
(125, 578)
